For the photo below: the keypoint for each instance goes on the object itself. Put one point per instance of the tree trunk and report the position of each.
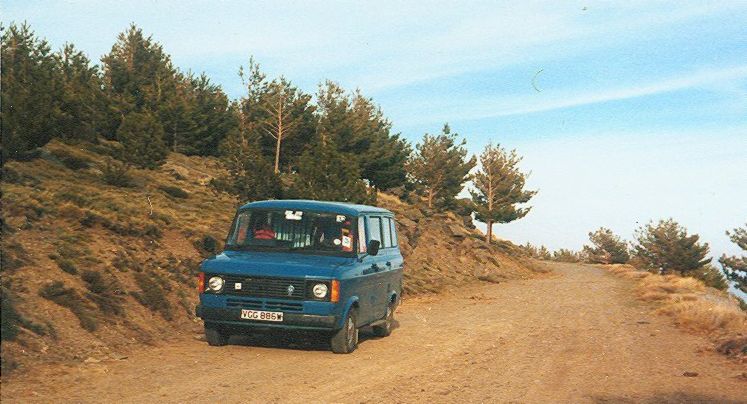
(280, 137)
(277, 154)
(430, 198)
(489, 233)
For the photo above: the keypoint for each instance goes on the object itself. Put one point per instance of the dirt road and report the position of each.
(575, 336)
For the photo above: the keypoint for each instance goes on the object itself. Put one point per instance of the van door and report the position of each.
(392, 263)
(373, 267)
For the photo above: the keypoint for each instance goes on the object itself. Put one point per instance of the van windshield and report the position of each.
(293, 231)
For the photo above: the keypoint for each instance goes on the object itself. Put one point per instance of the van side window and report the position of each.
(393, 229)
(375, 228)
(362, 243)
(387, 242)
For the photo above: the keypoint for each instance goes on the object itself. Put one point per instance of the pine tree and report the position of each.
(667, 247)
(31, 86)
(142, 140)
(250, 175)
(735, 267)
(82, 104)
(440, 166)
(211, 115)
(383, 154)
(499, 187)
(607, 248)
(139, 77)
(325, 173)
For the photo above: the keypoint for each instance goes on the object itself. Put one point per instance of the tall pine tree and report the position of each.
(31, 86)
(82, 104)
(499, 188)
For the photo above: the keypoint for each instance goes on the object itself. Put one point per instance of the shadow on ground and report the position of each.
(306, 341)
(670, 397)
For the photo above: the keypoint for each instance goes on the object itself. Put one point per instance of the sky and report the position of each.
(625, 112)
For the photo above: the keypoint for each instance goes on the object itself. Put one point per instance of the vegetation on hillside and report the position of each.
(693, 306)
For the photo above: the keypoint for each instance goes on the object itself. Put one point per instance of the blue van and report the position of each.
(304, 265)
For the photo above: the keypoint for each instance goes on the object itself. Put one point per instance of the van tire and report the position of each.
(345, 340)
(215, 337)
(385, 329)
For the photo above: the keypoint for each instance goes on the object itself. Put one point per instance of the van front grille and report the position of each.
(254, 286)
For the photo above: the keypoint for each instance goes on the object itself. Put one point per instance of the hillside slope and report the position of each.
(90, 269)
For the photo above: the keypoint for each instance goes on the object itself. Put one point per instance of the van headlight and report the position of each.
(215, 284)
(320, 290)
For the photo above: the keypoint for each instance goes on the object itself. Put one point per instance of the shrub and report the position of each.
(74, 196)
(70, 299)
(208, 245)
(71, 160)
(607, 248)
(117, 174)
(13, 256)
(11, 319)
(104, 291)
(152, 295)
(11, 176)
(711, 276)
(565, 255)
(66, 265)
(666, 246)
(123, 262)
(174, 191)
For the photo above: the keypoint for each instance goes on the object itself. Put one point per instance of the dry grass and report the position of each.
(693, 306)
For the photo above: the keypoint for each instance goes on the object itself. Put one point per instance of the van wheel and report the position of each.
(215, 337)
(384, 330)
(345, 340)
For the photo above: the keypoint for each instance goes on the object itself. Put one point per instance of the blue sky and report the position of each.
(624, 111)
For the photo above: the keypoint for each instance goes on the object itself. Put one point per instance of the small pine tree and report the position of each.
(565, 255)
(543, 253)
(735, 267)
(499, 188)
(142, 140)
(667, 247)
(607, 248)
(440, 166)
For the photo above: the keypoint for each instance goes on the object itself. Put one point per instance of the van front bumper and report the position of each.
(232, 317)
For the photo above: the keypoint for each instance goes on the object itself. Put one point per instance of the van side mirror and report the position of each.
(373, 247)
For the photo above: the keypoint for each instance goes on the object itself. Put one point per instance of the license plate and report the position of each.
(261, 315)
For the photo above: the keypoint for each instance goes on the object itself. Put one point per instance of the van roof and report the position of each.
(319, 206)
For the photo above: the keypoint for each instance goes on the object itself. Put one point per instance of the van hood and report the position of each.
(274, 264)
